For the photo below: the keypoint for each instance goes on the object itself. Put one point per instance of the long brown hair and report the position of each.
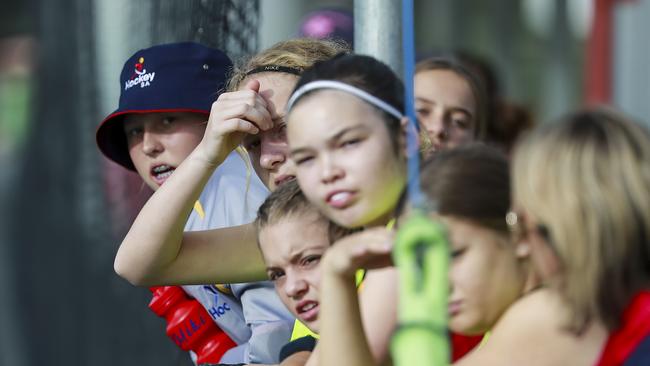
(470, 182)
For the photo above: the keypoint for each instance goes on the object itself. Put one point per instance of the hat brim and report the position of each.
(111, 138)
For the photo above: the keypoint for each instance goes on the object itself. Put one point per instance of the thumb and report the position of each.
(253, 85)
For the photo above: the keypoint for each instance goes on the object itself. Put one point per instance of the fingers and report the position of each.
(253, 85)
(244, 104)
(255, 114)
(368, 249)
(238, 125)
(372, 248)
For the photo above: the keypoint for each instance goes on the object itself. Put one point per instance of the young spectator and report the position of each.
(450, 104)
(166, 94)
(582, 204)
(293, 236)
(346, 137)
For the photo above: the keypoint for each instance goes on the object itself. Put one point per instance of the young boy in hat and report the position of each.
(166, 95)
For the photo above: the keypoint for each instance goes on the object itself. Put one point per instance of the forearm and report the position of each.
(153, 243)
(343, 341)
(297, 359)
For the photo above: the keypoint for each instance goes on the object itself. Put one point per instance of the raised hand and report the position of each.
(232, 116)
(369, 249)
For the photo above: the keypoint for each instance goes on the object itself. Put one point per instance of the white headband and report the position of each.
(331, 84)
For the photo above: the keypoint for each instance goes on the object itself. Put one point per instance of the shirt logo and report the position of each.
(218, 310)
(140, 76)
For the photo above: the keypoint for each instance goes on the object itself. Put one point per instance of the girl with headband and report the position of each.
(347, 139)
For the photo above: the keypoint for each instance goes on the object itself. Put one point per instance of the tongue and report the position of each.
(339, 198)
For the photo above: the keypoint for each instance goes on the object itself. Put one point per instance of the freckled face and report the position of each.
(346, 163)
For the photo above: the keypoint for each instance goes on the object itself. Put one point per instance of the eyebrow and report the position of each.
(421, 99)
(292, 259)
(269, 269)
(334, 137)
(461, 109)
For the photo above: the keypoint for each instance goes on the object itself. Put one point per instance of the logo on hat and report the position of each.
(140, 76)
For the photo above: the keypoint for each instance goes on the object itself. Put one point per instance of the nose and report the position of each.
(151, 144)
(272, 154)
(330, 170)
(294, 285)
(436, 127)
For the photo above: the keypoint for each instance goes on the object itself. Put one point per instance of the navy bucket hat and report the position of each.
(175, 77)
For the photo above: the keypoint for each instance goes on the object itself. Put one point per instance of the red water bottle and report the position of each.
(189, 325)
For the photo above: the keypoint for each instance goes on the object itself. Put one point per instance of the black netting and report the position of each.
(229, 25)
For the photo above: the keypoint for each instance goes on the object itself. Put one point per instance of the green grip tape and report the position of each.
(421, 255)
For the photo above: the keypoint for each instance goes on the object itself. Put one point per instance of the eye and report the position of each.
(302, 160)
(422, 112)
(456, 253)
(252, 144)
(460, 122)
(133, 132)
(459, 119)
(168, 120)
(275, 275)
(350, 142)
(311, 260)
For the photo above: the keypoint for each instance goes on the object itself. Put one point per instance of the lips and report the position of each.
(340, 199)
(454, 307)
(161, 172)
(307, 310)
(283, 179)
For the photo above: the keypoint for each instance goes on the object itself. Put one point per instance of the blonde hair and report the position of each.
(587, 180)
(299, 53)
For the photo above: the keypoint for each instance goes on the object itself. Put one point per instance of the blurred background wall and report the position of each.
(64, 209)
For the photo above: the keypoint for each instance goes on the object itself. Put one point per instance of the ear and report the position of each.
(405, 126)
(403, 142)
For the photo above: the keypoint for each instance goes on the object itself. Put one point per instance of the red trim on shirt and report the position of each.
(635, 327)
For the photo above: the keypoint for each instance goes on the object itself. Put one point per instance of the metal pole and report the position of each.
(377, 31)
(630, 59)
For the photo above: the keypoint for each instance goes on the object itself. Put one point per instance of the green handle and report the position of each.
(421, 255)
